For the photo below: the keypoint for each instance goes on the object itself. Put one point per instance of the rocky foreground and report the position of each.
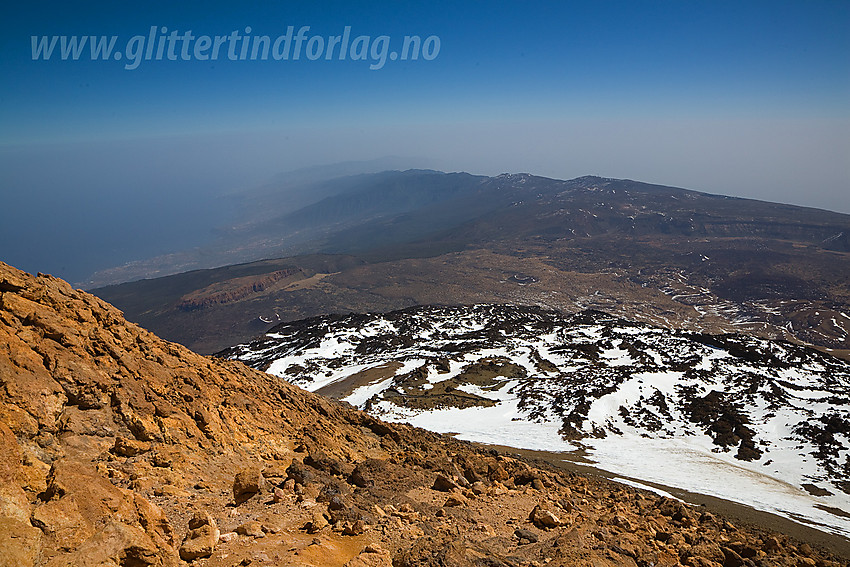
(119, 448)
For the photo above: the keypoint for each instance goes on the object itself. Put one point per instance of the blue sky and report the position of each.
(741, 98)
(497, 61)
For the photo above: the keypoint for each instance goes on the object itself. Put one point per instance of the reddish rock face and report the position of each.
(118, 448)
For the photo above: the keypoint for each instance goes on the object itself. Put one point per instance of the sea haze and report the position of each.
(75, 210)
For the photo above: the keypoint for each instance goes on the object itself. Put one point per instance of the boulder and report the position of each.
(525, 536)
(544, 518)
(353, 529)
(202, 537)
(360, 478)
(456, 499)
(251, 529)
(444, 484)
(731, 558)
(317, 523)
(248, 482)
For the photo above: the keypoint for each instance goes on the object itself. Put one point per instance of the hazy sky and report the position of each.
(116, 157)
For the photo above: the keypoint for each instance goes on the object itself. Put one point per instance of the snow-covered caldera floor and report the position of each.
(762, 423)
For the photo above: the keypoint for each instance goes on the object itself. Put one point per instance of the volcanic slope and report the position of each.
(119, 448)
(764, 423)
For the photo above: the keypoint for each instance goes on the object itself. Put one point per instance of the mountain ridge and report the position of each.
(265, 233)
(691, 259)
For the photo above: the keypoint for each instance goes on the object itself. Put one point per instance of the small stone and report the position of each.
(312, 490)
(336, 503)
(169, 490)
(201, 539)
(374, 548)
(227, 537)
(252, 529)
(771, 545)
(300, 474)
(497, 473)
(130, 447)
(304, 501)
(460, 480)
(317, 523)
(318, 459)
(455, 500)
(524, 535)
(708, 551)
(731, 558)
(360, 478)
(370, 560)
(357, 528)
(200, 518)
(276, 470)
(621, 522)
(166, 458)
(279, 496)
(544, 518)
(270, 528)
(444, 484)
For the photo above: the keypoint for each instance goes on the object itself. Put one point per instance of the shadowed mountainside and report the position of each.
(659, 254)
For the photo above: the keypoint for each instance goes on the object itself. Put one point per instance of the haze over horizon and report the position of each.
(102, 164)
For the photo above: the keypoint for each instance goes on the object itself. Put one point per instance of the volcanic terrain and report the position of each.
(122, 449)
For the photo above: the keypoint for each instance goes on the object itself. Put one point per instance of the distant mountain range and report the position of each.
(389, 240)
(357, 213)
(760, 422)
